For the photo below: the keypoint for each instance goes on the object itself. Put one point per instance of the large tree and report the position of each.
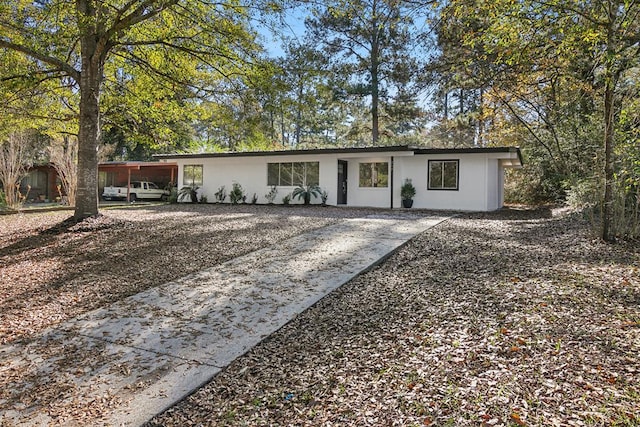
(77, 40)
(367, 40)
(556, 69)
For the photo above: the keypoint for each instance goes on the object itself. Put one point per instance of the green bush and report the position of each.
(271, 195)
(583, 194)
(221, 194)
(236, 194)
(305, 193)
(324, 196)
(173, 197)
(189, 193)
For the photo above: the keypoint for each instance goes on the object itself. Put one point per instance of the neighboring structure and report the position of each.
(460, 179)
(41, 184)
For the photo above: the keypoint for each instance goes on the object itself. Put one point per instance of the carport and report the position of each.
(120, 174)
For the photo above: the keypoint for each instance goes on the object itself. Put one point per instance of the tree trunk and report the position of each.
(299, 112)
(89, 129)
(375, 83)
(446, 105)
(608, 233)
(611, 77)
(375, 94)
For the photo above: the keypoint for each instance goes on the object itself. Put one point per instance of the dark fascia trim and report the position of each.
(135, 164)
(348, 150)
(396, 148)
(471, 151)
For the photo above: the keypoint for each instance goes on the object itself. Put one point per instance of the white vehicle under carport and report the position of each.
(138, 190)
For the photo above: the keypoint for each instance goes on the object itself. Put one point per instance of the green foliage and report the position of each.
(236, 195)
(173, 197)
(3, 199)
(189, 194)
(221, 194)
(536, 183)
(552, 77)
(323, 197)
(286, 200)
(584, 194)
(271, 195)
(305, 193)
(97, 52)
(254, 199)
(369, 45)
(408, 190)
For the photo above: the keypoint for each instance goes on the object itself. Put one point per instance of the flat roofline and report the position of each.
(364, 150)
(136, 164)
(402, 148)
(515, 150)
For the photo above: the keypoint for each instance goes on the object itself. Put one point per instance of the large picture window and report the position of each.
(374, 175)
(192, 175)
(293, 173)
(443, 174)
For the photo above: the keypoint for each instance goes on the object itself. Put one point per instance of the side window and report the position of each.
(443, 174)
(192, 175)
(373, 174)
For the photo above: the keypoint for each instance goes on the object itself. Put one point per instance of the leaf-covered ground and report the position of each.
(510, 318)
(52, 270)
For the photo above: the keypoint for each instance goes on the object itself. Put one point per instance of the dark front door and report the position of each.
(342, 182)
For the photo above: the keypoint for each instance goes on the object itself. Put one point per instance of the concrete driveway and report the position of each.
(124, 363)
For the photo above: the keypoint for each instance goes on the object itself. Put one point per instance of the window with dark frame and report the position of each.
(443, 174)
(293, 174)
(192, 176)
(373, 175)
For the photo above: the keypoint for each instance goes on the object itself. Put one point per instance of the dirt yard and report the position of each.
(514, 318)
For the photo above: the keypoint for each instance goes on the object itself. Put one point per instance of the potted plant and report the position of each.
(407, 192)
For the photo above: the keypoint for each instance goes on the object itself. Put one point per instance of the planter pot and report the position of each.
(407, 203)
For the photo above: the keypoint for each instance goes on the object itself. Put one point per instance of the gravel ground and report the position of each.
(512, 319)
(508, 318)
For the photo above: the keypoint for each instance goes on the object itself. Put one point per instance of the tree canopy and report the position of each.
(559, 78)
(552, 76)
(91, 45)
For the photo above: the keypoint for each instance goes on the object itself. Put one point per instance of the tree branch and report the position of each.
(57, 63)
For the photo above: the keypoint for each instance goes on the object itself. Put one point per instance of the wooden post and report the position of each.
(128, 184)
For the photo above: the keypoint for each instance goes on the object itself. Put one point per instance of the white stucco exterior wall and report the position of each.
(473, 176)
(493, 196)
(480, 177)
(251, 174)
(378, 197)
